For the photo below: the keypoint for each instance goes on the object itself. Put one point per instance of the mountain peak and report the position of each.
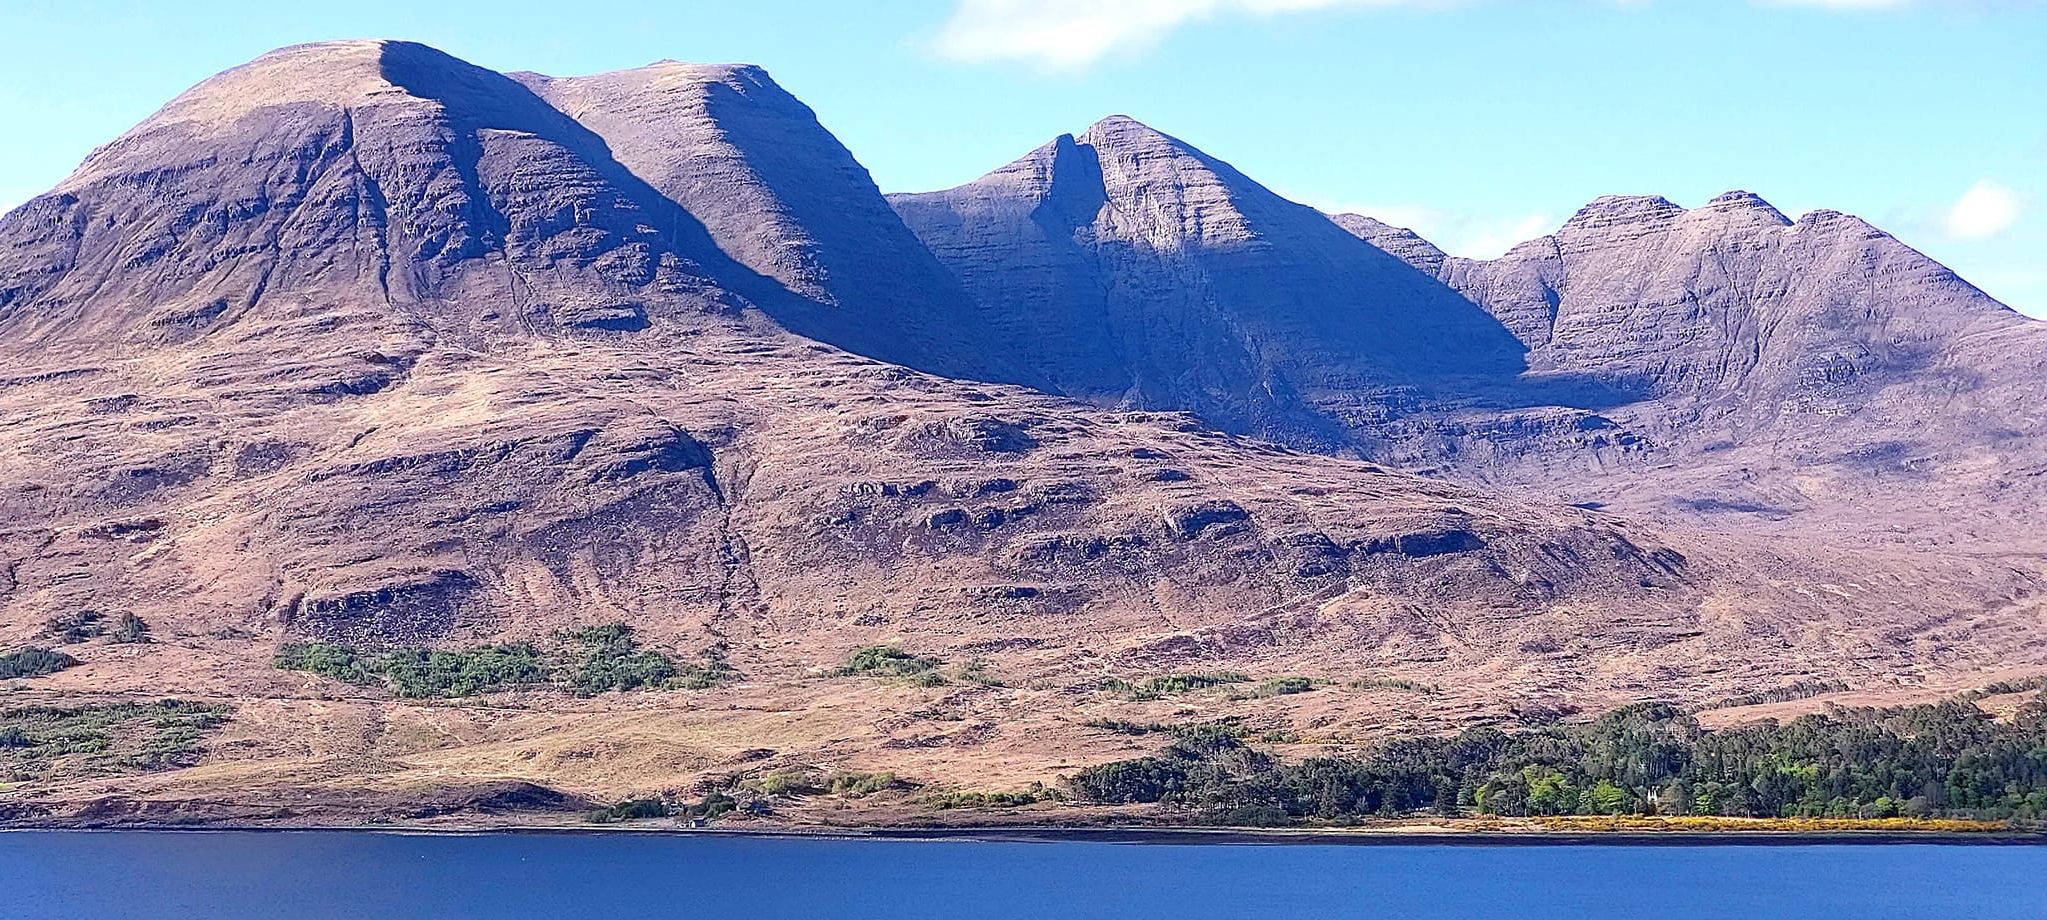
(338, 72)
(1831, 220)
(1612, 211)
(1739, 197)
(1121, 132)
(731, 73)
(1118, 123)
(1744, 204)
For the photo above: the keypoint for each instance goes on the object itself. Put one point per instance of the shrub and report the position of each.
(630, 810)
(600, 658)
(713, 807)
(1283, 686)
(129, 629)
(889, 661)
(105, 738)
(1795, 691)
(89, 624)
(418, 673)
(791, 781)
(326, 659)
(1123, 727)
(1182, 683)
(1394, 683)
(1159, 687)
(76, 627)
(612, 660)
(1035, 794)
(33, 662)
(854, 784)
(423, 673)
(978, 671)
(1228, 725)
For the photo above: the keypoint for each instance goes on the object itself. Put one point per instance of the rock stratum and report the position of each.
(360, 343)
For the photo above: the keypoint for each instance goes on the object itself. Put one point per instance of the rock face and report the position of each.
(1134, 269)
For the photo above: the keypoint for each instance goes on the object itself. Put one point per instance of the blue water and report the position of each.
(392, 876)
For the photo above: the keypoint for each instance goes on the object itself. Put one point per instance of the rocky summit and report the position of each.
(491, 444)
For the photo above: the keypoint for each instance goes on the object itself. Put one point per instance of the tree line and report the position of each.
(1950, 759)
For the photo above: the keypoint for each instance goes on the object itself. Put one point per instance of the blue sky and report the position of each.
(1479, 122)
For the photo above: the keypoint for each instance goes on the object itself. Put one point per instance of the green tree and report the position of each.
(1605, 798)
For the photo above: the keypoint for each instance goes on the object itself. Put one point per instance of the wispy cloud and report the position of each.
(1985, 210)
(1840, 4)
(1071, 34)
(1068, 35)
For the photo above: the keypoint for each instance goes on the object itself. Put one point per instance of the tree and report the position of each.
(1606, 799)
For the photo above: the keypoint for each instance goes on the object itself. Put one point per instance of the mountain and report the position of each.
(1817, 365)
(1138, 271)
(362, 344)
(781, 196)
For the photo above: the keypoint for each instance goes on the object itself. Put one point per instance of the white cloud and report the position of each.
(1072, 34)
(1984, 211)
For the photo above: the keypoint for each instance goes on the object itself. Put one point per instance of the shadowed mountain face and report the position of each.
(364, 343)
(1135, 269)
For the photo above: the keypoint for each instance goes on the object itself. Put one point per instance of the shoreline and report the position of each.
(1158, 836)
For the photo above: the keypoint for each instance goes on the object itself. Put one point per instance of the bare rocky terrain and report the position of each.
(363, 344)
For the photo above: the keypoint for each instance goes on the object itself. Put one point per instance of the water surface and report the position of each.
(338, 874)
